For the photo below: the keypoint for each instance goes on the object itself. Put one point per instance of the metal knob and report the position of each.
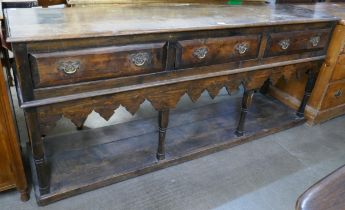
(69, 67)
(284, 44)
(315, 40)
(338, 93)
(242, 47)
(200, 53)
(141, 58)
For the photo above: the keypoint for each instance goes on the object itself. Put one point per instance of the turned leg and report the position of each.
(37, 150)
(246, 101)
(163, 120)
(307, 92)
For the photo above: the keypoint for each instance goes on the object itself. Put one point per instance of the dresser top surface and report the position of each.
(334, 9)
(37, 24)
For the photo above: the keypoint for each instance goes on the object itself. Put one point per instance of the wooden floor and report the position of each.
(94, 158)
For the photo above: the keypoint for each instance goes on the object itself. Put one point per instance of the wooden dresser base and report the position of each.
(79, 162)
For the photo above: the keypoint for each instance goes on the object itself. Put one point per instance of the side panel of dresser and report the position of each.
(12, 171)
(327, 100)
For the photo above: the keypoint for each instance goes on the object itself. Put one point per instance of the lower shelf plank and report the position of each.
(90, 159)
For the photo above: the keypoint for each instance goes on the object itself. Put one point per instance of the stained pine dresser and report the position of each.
(328, 98)
(71, 62)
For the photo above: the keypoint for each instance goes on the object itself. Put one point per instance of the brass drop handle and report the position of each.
(315, 40)
(242, 48)
(200, 53)
(284, 44)
(69, 67)
(140, 59)
(338, 93)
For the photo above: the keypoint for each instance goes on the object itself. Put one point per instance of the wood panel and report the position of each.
(295, 42)
(162, 98)
(216, 50)
(335, 95)
(97, 63)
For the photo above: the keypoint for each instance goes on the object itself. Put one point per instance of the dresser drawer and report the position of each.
(335, 95)
(286, 43)
(67, 67)
(203, 52)
(339, 69)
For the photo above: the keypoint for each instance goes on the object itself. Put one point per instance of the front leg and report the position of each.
(163, 120)
(37, 150)
(307, 92)
(246, 102)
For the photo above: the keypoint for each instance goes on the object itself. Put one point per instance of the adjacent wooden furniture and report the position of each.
(328, 193)
(12, 171)
(328, 98)
(70, 63)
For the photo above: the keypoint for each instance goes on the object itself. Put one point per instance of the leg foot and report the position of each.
(163, 120)
(24, 195)
(246, 101)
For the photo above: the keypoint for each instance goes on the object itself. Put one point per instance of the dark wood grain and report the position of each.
(37, 147)
(298, 41)
(219, 50)
(328, 193)
(96, 64)
(162, 98)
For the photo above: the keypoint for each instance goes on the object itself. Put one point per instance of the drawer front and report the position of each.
(339, 69)
(68, 67)
(335, 95)
(203, 52)
(286, 43)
